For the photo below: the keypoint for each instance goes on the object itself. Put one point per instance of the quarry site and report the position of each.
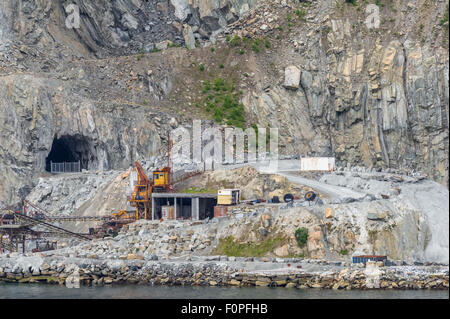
(95, 188)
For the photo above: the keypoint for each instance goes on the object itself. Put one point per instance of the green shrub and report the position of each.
(218, 115)
(300, 14)
(223, 102)
(301, 235)
(236, 41)
(219, 84)
(202, 67)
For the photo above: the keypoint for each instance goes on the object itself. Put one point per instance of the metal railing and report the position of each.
(65, 167)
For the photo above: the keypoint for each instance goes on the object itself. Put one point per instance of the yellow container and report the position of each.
(224, 200)
(228, 196)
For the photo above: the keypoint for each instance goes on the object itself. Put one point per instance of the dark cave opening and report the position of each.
(72, 148)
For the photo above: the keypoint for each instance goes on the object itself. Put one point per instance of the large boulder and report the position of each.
(292, 77)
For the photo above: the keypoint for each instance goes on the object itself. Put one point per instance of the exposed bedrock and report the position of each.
(39, 115)
(374, 98)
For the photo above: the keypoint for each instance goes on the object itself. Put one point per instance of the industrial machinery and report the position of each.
(44, 245)
(123, 214)
(112, 226)
(161, 179)
(142, 193)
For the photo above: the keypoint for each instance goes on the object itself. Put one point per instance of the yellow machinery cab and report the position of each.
(161, 178)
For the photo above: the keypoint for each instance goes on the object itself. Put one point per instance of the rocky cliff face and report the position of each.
(376, 97)
(373, 97)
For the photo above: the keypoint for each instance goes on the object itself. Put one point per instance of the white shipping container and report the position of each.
(317, 164)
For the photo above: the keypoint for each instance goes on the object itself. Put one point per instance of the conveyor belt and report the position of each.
(52, 228)
(76, 218)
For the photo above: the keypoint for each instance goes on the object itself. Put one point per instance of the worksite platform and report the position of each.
(183, 206)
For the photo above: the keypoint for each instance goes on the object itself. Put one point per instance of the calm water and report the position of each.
(30, 291)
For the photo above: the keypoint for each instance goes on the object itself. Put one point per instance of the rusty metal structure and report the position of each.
(45, 245)
(35, 223)
(141, 198)
(23, 228)
(162, 182)
(18, 227)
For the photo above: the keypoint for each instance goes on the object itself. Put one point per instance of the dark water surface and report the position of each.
(34, 291)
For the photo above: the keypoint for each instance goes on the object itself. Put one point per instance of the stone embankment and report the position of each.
(221, 271)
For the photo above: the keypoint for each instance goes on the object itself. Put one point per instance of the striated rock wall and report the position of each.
(374, 97)
(37, 110)
(377, 98)
(114, 27)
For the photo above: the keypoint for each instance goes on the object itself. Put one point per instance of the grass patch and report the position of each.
(253, 44)
(229, 247)
(301, 14)
(236, 41)
(195, 190)
(173, 45)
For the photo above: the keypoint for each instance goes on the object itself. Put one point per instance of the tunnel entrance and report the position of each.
(72, 149)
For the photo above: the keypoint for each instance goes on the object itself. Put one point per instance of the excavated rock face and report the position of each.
(39, 114)
(115, 27)
(372, 97)
(72, 105)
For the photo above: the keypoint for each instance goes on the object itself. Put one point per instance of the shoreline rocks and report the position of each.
(204, 272)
